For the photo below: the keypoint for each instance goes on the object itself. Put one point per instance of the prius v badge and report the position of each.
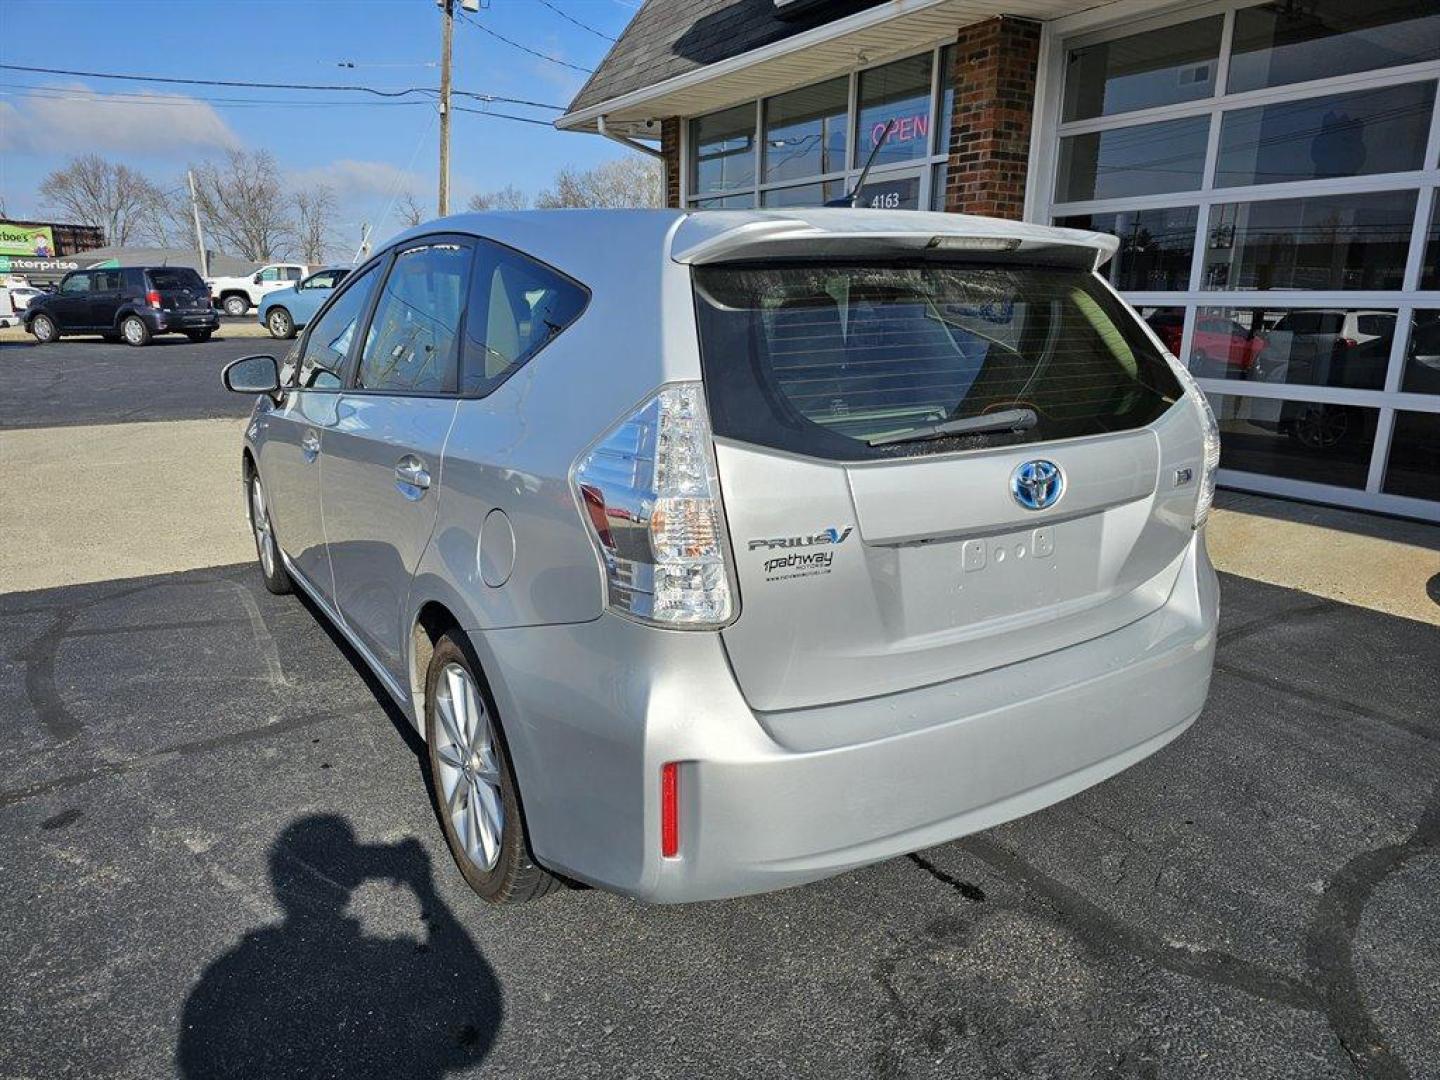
(830, 536)
(1037, 484)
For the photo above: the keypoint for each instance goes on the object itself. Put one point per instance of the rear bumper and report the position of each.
(591, 712)
(175, 322)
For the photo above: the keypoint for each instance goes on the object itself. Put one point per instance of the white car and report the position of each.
(237, 295)
(21, 295)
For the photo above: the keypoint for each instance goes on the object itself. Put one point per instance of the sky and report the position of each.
(367, 148)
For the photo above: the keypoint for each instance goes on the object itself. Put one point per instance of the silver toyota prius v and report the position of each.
(717, 552)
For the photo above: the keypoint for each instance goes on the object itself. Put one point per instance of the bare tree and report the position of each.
(314, 217)
(628, 181)
(243, 206)
(92, 191)
(507, 198)
(410, 212)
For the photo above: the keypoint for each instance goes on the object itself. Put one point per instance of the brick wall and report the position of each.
(670, 147)
(994, 79)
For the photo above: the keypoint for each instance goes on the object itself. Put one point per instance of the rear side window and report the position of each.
(106, 280)
(517, 307)
(177, 277)
(821, 358)
(414, 337)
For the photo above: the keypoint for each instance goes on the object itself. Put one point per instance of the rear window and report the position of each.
(820, 359)
(176, 277)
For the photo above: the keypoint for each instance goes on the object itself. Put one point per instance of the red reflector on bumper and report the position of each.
(669, 810)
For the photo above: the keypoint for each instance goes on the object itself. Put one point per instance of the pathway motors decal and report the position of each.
(796, 564)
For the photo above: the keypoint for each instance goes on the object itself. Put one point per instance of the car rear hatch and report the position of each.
(872, 559)
(180, 289)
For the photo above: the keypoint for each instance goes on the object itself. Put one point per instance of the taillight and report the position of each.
(153, 299)
(650, 495)
(1210, 429)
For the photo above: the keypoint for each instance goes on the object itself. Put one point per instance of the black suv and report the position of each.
(129, 303)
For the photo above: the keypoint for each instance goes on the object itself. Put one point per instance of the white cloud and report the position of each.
(353, 179)
(76, 119)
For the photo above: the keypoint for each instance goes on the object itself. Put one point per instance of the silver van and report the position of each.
(717, 552)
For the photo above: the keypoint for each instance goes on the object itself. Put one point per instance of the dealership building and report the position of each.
(1270, 169)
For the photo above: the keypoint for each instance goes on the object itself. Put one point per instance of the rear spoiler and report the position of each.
(791, 238)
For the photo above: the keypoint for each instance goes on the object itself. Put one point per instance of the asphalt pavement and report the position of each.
(219, 860)
(89, 381)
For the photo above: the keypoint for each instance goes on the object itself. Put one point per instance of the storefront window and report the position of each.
(1156, 246)
(892, 193)
(804, 194)
(898, 92)
(1318, 442)
(805, 131)
(745, 201)
(1414, 465)
(1327, 242)
(1159, 67)
(724, 155)
(945, 111)
(1286, 42)
(1348, 348)
(1422, 357)
(1145, 159)
(1373, 131)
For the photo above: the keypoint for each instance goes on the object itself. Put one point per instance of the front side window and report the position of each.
(75, 285)
(413, 341)
(517, 307)
(324, 279)
(835, 360)
(270, 273)
(327, 343)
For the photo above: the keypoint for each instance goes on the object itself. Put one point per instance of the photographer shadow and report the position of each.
(314, 996)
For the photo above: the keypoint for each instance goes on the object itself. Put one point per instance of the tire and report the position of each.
(44, 330)
(134, 331)
(198, 336)
(471, 781)
(1321, 427)
(235, 304)
(279, 323)
(267, 548)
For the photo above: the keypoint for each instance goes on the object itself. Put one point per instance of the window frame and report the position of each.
(303, 342)
(1083, 29)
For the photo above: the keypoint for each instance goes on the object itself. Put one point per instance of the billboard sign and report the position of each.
(30, 241)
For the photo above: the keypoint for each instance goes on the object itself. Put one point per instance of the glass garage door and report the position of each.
(1271, 172)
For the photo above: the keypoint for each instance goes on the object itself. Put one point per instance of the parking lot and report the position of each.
(219, 859)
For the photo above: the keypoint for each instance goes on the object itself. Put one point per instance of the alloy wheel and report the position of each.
(469, 768)
(260, 522)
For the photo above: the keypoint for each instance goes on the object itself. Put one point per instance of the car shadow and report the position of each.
(315, 995)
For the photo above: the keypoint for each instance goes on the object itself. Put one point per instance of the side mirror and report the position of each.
(252, 375)
(255, 280)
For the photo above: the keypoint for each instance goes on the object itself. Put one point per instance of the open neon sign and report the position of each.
(905, 129)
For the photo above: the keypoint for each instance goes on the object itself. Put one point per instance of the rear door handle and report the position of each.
(310, 445)
(410, 472)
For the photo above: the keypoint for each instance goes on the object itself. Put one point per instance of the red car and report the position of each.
(1221, 348)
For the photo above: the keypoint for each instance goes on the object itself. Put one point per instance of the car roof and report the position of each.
(591, 243)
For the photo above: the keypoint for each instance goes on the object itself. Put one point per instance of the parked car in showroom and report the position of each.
(235, 295)
(285, 311)
(125, 303)
(713, 553)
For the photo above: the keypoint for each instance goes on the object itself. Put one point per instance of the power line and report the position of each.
(378, 92)
(60, 93)
(501, 115)
(523, 48)
(577, 22)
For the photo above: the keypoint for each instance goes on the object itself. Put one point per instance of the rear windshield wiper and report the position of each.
(1008, 420)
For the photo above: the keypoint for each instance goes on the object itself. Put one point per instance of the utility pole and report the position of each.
(447, 29)
(199, 235)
